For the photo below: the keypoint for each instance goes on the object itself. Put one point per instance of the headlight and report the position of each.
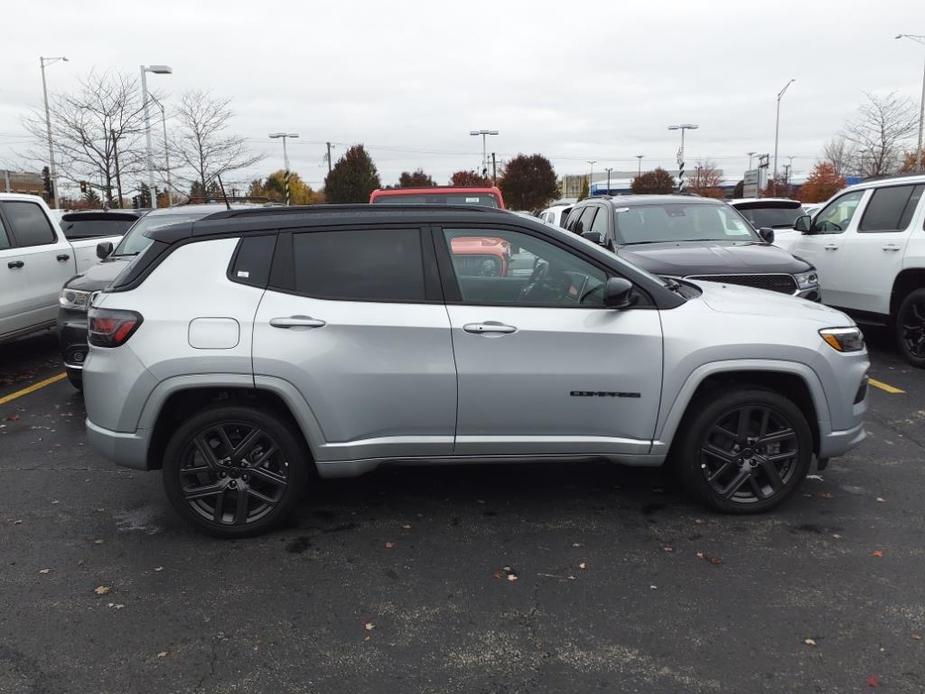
(843, 339)
(74, 299)
(807, 280)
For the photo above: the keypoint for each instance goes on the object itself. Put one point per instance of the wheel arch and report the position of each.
(906, 282)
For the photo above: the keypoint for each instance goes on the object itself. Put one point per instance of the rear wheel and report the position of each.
(910, 328)
(745, 451)
(234, 471)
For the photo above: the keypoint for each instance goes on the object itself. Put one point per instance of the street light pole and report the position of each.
(591, 162)
(608, 170)
(750, 155)
(920, 155)
(484, 133)
(52, 174)
(166, 149)
(284, 137)
(682, 127)
(780, 95)
(157, 70)
(639, 167)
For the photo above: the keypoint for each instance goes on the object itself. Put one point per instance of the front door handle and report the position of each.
(13, 264)
(297, 322)
(892, 247)
(63, 257)
(489, 326)
(831, 248)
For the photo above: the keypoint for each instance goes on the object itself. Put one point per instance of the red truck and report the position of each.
(489, 196)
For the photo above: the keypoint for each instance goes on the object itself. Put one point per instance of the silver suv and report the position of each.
(248, 351)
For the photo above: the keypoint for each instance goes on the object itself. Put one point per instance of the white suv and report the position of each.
(868, 244)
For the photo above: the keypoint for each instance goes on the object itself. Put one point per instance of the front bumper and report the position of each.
(72, 338)
(811, 294)
(129, 449)
(835, 443)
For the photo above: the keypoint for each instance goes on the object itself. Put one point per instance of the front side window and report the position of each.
(600, 222)
(835, 217)
(530, 271)
(30, 225)
(585, 221)
(666, 222)
(360, 265)
(887, 209)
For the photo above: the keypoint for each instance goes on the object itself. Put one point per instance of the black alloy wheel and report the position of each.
(910, 328)
(233, 471)
(747, 451)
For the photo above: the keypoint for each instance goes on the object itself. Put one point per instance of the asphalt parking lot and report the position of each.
(479, 579)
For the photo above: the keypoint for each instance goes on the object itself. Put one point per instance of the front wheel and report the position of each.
(234, 471)
(910, 328)
(745, 451)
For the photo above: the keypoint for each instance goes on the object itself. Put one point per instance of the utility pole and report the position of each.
(639, 167)
(484, 133)
(494, 170)
(682, 127)
(780, 95)
(920, 154)
(609, 169)
(115, 155)
(329, 156)
(286, 174)
(51, 148)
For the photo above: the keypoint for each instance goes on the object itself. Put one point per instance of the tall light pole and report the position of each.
(484, 134)
(157, 70)
(780, 95)
(639, 166)
(682, 127)
(284, 137)
(52, 174)
(918, 38)
(609, 169)
(166, 148)
(750, 155)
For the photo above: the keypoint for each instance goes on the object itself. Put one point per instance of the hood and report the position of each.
(99, 275)
(683, 258)
(733, 298)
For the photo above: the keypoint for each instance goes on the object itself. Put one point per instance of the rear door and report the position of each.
(14, 288)
(354, 319)
(543, 367)
(46, 261)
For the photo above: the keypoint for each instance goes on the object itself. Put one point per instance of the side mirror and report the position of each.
(103, 249)
(803, 223)
(594, 237)
(766, 233)
(618, 293)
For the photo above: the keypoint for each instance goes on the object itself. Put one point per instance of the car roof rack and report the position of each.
(348, 207)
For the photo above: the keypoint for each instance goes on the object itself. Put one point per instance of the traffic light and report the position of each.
(83, 186)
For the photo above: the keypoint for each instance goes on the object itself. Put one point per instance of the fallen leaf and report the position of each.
(406, 526)
(583, 566)
(877, 553)
(836, 536)
(17, 522)
(55, 502)
(653, 587)
(668, 549)
(101, 590)
(512, 577)
(809, 642)
(158, 568)
(873, 681)
(814, 477)
(44, 571)
(369, 626)
(916, 637)
(576, 544)
(389, 545)
(162, 654)
(506, 572)
(97, 542)
(881, 499)
(12, 418)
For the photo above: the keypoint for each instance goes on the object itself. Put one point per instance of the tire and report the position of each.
(211, 466)
(910, 328)
(742, 480)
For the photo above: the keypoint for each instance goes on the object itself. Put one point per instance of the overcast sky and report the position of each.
(573, 81)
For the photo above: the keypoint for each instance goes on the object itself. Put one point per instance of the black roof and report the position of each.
(630, 200)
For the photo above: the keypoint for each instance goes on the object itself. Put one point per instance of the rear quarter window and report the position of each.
(252, 260)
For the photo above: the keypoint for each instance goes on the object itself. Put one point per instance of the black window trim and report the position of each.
(237, 250)
(282, 271)
(874, 191)
(11, 232)
(451, 284)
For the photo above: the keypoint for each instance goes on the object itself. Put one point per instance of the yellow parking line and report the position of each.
(886, 387)
(31, 389)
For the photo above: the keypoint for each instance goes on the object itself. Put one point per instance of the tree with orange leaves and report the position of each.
(822, 183)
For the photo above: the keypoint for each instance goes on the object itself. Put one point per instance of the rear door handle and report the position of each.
(13, 264)
(489, 326)
(63, 257)
(892, 247)
(297, 322)
(831, 248)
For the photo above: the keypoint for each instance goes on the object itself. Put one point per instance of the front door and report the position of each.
(359, 328)
(543, 366)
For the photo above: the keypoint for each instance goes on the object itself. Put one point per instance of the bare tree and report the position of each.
(878, 131)
(203, 147)
(841, 155)
(706, 180)
(97, 131)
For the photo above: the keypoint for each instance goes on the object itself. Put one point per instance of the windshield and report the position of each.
(484, 199)
(135, 241)
(774, 217)
(91, 228)
(680, 222)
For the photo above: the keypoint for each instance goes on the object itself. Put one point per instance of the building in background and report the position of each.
(21, 182)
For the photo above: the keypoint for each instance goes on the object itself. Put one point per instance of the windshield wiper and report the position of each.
(673, 285)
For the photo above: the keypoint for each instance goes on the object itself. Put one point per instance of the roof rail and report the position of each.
(887, 177)
(349, 207)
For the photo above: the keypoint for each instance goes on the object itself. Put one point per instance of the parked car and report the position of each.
(557, 214)
(244, 352)
(869, 246)
(489, 196)
(696, 238)
(778, 214)
(74, 297)
(92, 224)
(35, 260)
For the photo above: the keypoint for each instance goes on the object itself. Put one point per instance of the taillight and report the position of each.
(110, 327)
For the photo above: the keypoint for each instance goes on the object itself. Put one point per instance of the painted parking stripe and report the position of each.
(31, 389)
(886, 387)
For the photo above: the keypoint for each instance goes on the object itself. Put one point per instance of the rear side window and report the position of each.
(360, 265)
(30, 225)
(251, 264)
(887, 208)
(584, 222)
(4, 239)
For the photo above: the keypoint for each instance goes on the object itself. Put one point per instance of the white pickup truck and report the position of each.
(35, 262)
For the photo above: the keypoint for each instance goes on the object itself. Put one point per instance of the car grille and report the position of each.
(785, 284)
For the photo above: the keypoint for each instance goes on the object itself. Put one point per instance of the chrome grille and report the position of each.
(785, 284)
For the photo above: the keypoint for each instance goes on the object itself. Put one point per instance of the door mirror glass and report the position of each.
(803, 223)
(767, 234)
(618, 293)
(594, 237)
(103, 249)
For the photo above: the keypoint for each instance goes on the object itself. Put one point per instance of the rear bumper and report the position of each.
(123, 448)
